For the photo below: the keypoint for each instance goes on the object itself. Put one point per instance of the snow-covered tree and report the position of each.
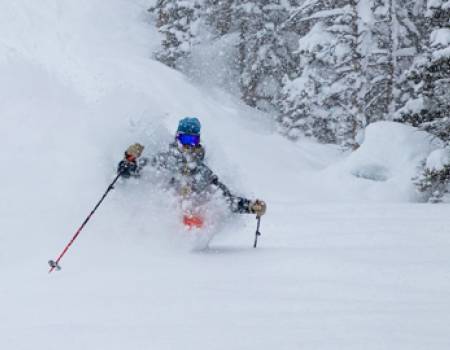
(412, 42)
(219, 15)
(395, 38)
(178, 21)
(428, 105)
(433, 184)
(380, 93)
(323, 100)
(264, 54)
(429, 78)
(433, 178)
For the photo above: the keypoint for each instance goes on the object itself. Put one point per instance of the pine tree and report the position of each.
(177, 21)
(323, 100)
(219, 14)
(428, 107)
(356, 78)
(395, 38)
(429, 78)
(380, 62)
(432, 184)
(264, 55)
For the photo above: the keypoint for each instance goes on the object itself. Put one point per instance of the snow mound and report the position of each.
(388, 158)
(438, 159)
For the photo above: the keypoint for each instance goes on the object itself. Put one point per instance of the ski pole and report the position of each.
(257, 233)
(54, 264)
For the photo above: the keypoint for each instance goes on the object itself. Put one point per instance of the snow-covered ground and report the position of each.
(346, 259)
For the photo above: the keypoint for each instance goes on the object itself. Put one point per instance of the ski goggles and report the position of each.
(188, 139)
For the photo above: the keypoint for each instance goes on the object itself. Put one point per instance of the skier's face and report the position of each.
(192, 153)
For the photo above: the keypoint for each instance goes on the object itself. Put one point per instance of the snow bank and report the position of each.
(438, 159)
(388, 159)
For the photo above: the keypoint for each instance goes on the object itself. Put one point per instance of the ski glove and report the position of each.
(258, 207)
(134, 151)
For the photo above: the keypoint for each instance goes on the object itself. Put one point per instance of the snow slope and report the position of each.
(345, 262)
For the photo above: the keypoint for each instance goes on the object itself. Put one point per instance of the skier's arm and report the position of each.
(239, 204)
(236, 204)
(132, 163)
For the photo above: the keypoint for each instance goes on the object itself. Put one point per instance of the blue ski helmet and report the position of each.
(189, 125)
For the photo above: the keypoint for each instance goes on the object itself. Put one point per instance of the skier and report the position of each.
(192, 179)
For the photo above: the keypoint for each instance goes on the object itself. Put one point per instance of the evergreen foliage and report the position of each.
(177, 21)
(433, 183)
(219, 15)
(392, 40)
(429, 78)
(319, 102)
(264, 57)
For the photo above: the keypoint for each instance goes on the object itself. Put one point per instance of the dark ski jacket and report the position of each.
(189, 175)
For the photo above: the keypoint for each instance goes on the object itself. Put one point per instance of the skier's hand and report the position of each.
(133, 152)
(125, 168)
(258, 207)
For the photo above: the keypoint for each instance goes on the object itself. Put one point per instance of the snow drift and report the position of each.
(388, 159)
